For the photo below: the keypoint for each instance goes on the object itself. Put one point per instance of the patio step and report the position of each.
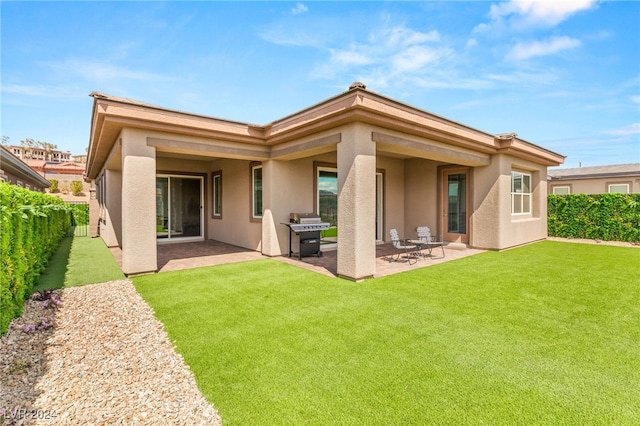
(456, 246)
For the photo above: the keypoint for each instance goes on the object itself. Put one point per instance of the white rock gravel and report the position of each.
(107, 360)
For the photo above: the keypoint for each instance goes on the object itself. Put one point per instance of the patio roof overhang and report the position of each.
(424, 134)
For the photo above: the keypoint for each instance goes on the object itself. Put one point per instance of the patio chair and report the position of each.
(430, 241)
(402, 248)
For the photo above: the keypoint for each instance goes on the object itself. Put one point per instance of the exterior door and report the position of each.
(179, 213)
(455, 203)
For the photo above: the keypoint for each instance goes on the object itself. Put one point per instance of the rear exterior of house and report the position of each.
(618, 178)
(363, 162)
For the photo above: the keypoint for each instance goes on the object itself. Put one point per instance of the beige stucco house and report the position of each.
(165, 176)
(619, 178)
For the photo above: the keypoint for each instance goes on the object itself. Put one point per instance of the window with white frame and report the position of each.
(561, 190)
(520, 193)
(619, 188)
(217, 194)
(256, 192)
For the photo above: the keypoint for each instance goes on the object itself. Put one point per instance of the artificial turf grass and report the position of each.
(79, 261)
(544, 334)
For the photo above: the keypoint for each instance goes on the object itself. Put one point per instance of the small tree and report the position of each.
(28, 145)
(48, 148)
(54, 186)
(76, 187)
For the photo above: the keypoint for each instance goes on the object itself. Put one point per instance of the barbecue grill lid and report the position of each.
(295, 217)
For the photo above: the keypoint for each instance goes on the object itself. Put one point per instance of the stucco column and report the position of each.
(275, 207)
(139, 252)
(356, 204)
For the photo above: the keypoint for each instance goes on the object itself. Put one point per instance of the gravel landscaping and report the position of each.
(106, 360)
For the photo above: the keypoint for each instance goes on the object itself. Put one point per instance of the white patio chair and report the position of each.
(403, 249)
(430, 241)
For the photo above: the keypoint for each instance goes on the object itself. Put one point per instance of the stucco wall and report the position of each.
(394, 193)
(235, 227)
(290, 191)
(181, 166)
(356, 203)
(493, 225)
(139, 253)
(595, 186)
(421, 198)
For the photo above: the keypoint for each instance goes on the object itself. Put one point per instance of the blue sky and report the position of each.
(564, 75)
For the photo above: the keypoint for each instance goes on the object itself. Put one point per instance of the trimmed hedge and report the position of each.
(32, 224)
(607, 217)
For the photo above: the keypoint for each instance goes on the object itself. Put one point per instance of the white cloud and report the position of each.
(385, 53)
(402, 36)
(635, 99)
(415, 58)
(542, 48)
(523, 14)
(39, 91)
(300, 8)
(349, 57)
(96, 71)
(631, 129)
(538, 77)
(21, 89)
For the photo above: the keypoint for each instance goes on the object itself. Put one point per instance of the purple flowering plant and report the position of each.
(49, 301)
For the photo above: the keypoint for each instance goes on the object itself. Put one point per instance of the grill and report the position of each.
(307, 227)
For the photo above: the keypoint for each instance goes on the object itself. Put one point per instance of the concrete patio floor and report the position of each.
(178, 256)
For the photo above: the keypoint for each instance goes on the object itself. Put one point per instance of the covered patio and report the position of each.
(358, 159)
(174, 257)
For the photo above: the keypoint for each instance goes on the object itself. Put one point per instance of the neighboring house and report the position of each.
(64, 173)
(38, 153)
(165, 176)
(17, 172)
(58, 167)
(80, 158)
(622, 178)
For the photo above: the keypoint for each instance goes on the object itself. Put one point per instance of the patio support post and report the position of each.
(356, 203)
(139, 252)
(275, 207)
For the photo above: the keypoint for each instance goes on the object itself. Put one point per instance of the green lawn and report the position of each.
(79, 261)
(543, 334)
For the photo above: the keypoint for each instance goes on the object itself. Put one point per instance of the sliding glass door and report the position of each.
(179, 212)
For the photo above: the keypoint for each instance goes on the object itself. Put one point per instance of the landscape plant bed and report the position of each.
(95, 355)
(542, 334)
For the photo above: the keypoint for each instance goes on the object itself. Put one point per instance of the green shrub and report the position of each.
(608, 217)
(76, 187)
(54, 185)
(80, 213)
(32, 225)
